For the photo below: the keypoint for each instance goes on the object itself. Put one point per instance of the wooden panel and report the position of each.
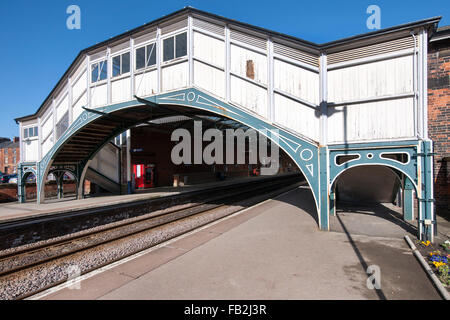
(77, 108)
(209, 78)
(47, 126)
(297, 117)
(393, 76)
(47, 145)
(209, 49)
(372, 121)
(99, 95)
(296, 54)
(175, 76)
(296, 81)
(31, 150)
(62, 107)
(249, 96)
(211, 27)
(240, 58)
(120, 90)
(79, 87)
(146, 84)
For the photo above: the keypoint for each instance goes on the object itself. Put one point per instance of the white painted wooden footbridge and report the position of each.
(360, 101)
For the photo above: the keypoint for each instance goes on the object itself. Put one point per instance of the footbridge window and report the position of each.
(175, 47)
(99, 71)
(146, 56)
(121, 64)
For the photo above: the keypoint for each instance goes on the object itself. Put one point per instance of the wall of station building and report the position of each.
(438, 121)
(152, 147)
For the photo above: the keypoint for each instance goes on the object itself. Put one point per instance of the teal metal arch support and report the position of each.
(303, 152)
(417, 169)
(408, 199)
(23, 170)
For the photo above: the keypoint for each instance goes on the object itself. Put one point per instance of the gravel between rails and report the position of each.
(36, 278)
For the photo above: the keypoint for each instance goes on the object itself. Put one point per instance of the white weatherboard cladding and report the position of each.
(47, 126)
(31, 150)
(381, 78)
(297, 117)
(209, 78)
(62, 107)
(79, 87)
(120, 90)
(146, 83)
(99, 95)
(175, 76)
(106, 162)
(47, 145)
(296, 81)
(249, 96)
(371, 121)
(209, 49)
(239, 58)
(78, 107)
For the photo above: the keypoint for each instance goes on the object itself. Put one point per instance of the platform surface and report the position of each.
(15, 211)
(270, 251)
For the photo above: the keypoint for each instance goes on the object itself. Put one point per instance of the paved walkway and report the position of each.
(271, 251)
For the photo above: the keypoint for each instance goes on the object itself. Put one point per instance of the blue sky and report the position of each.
(37, 47)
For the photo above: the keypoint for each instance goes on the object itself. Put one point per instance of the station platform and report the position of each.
(14, 211)
(273, 250)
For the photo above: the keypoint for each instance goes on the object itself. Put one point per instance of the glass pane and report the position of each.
(116, 66)
(62, 125)
(30, 132)
(181, 45)
(151, 54)
(35, 131)
(140, 58)
(94, 68)
(25, 133)
(168, 49)
(125, 62)
(103, 70)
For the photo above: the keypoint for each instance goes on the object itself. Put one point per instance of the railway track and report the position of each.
(27, 270)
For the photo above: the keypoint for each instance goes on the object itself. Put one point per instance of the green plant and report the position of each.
(444, 274)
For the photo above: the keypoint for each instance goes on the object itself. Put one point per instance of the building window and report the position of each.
(6, 151)
(6, 160)
(175, 47)
(14, 160)
(146, 56)
(121, 64)
(30, 132)
(99, 71)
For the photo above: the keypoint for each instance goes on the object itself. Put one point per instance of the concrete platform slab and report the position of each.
(277, 253)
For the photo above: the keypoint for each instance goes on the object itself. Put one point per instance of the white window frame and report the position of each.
(120, 54)
(99, 62)
(144, 45)
(179, 59)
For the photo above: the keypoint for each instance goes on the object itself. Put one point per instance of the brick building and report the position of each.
(9, 155)
(439, 115)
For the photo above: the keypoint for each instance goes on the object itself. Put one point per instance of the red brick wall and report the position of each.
(8, 192)
(438, 120)
(9, 166)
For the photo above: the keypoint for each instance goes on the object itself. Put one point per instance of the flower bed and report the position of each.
(438, 257)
